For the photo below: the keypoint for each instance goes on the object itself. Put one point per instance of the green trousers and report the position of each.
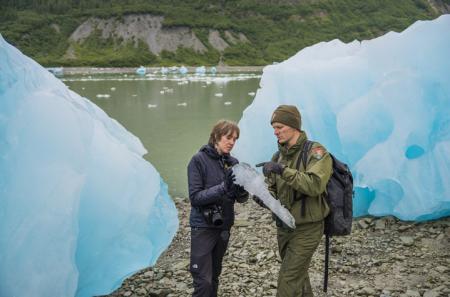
(296, 250)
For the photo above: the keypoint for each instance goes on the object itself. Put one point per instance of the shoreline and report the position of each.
(114, 70)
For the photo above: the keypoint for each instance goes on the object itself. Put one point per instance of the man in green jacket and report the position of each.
(301, 191)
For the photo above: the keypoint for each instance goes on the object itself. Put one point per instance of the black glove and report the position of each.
(270, 167)
(228, 183)
(259, 201)
(240, 191)
(240, 194)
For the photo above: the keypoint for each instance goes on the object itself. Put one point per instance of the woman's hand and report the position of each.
(228, 183)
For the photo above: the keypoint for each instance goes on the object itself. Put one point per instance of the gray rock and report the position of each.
(412, 293)
(362, 224)
(368, 291)
(380, 224)
(407, 240)
(403, 228)
(183, 264)
(431, 293)
(148, 274)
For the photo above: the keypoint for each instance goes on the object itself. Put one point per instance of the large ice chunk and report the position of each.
(80, 208)
(253, 182)
(381, 105)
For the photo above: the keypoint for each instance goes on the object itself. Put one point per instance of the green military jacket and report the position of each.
(309, 182)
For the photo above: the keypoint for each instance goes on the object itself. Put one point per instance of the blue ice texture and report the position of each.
(381, 105)
(80, 209)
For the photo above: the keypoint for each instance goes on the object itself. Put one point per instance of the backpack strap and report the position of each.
(304, 154)
(304, 159)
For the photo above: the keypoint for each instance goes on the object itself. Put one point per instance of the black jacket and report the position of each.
(206, 173)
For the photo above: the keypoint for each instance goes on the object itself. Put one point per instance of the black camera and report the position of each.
(213, 215)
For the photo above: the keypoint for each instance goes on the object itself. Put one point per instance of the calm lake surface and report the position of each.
(172, 115)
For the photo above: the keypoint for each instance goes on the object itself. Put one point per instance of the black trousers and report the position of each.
(208, 246)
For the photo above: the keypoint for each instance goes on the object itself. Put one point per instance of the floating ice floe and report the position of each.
(103, 95)
(56, 71)
(183, 70)
(222, 79)
(182, 104)
(141, 70)
(152, 105)
(227, 103)
(200, 70)
(218, 95)
(164, 70)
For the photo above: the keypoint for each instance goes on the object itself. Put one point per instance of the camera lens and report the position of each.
(217, 219)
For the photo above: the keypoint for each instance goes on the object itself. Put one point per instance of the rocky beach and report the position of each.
(382, 257)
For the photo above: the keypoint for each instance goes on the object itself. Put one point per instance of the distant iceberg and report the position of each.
(141, 70)
(381, 105)
(80, 209)
(201, 70)
(57, 71)
(183, 70)
(164, 70)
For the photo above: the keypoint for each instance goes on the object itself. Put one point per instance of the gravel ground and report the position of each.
(383, 257)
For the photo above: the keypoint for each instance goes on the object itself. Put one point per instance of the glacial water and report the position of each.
(172, 115)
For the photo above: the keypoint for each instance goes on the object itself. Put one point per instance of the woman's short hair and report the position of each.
(221, 128)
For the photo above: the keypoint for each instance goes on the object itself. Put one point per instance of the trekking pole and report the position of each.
(327, 255)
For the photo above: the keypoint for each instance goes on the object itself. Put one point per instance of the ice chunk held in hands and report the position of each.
(253, 182)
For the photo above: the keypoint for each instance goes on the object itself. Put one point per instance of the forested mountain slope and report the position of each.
(192, 32)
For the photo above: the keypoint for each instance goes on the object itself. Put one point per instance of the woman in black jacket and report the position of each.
(212, 194)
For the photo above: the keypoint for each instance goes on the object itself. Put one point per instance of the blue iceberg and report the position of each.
(382, 106)
(80, 209)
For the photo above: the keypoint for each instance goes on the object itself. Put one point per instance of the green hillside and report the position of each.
(275, 29)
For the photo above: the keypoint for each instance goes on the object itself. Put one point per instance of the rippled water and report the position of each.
(172, 115)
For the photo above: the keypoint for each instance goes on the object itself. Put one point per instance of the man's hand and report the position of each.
(269, 167)
(279, 223)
